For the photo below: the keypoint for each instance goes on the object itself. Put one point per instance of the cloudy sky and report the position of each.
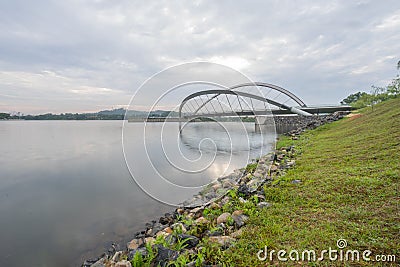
(89, 55)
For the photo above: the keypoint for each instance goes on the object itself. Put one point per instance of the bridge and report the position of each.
(249, 99)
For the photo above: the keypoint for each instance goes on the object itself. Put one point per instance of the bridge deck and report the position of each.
(313, 110)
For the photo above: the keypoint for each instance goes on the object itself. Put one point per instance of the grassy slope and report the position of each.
(350, 189)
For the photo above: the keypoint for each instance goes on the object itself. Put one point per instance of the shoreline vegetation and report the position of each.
(324, 182)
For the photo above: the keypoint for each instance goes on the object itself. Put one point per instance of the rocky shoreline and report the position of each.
(180, 237)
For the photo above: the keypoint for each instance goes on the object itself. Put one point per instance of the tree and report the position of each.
(353, 98)
(393, 88)
(4, 116)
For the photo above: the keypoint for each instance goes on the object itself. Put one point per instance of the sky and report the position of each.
(91, 55)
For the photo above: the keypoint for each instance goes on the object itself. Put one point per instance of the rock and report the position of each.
(197, 212)
(290, 163)
(210, 196)
(156, 228)
(163, 220)
(239, 218)
(134, 243)
(168, 230)
(149, 232)
(167, 219)
(217, 232)
(260, 196)
(171, 239)
(242, 200)
(162, 233)
(91, 261)
(254, 184)
(180, 211)
(142, 251)
(116, 256)
(97, 262)
(214, 206)
(257, 174)
(237, 234)
(179, 227)
(263, 205)
(216, 186)
(246, 179)
(190, 241)
(244, 190)
(225, 241)
(263, 168)
(114, 247)
(273, 168)
(194, 203)
(223, 217)
(123, 263)
(164, 255)
(222, 226)
(225, 200)
(227, 184)
(150, 240)
(201, 220)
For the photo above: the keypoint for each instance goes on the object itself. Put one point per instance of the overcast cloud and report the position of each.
(75, 56)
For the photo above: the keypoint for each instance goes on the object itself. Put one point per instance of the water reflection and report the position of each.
(66, 193)
(184, 162)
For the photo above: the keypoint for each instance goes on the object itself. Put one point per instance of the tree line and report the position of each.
(63, 116)
(376, 95)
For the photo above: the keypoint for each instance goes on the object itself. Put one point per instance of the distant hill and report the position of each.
(139, 114)
(119, 111)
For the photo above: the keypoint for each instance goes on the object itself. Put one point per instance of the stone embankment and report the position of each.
(302, 123)
(183, 230)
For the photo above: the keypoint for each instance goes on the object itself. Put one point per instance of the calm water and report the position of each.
(66, 191)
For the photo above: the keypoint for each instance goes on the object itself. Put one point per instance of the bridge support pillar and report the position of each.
(261, 120)
(264, 124)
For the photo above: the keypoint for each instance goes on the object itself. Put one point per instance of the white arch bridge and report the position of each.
(248, 99)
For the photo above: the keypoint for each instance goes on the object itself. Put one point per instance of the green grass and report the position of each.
(350, 189)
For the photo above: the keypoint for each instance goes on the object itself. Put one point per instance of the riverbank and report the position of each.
(345, 186)
(349, 172)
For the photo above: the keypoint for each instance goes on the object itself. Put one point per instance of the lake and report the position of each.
(68, 189)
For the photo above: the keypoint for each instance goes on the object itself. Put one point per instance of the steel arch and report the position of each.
(272, 86)
(232, 91)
